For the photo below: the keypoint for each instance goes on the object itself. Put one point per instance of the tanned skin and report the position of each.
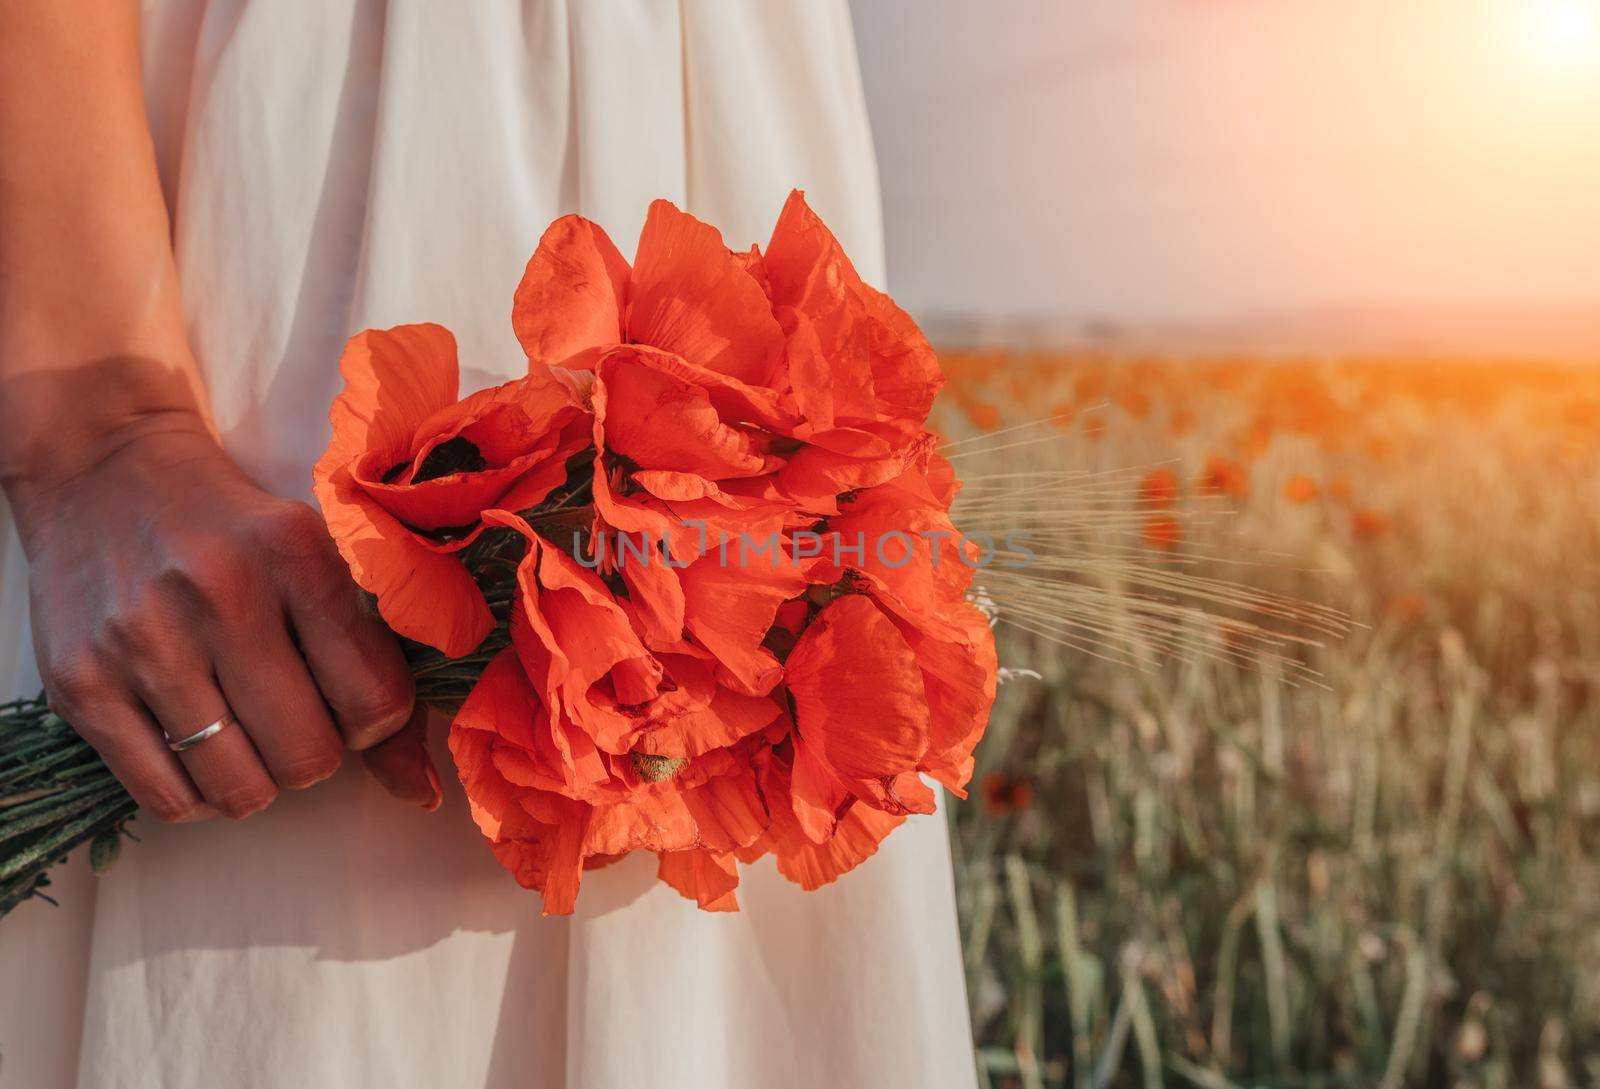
(167, 587)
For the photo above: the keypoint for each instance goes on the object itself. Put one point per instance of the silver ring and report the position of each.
(195, 738)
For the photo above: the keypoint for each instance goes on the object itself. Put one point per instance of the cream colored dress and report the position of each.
(338, 164)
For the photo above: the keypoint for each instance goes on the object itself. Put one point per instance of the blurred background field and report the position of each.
(1309, 293)
(1215, 868)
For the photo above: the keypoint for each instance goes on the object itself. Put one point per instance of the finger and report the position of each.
(130, 743)
(402, 764)
(225, 767)
(355, 660)
(266, 683)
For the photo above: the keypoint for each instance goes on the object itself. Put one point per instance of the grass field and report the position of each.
(1211, 869)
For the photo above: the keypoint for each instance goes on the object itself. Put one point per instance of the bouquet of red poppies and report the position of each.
(689, 587)
(701, 551)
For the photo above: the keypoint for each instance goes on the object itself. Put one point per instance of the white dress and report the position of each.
(338, 164)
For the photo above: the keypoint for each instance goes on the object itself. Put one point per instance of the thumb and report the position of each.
(402, 764)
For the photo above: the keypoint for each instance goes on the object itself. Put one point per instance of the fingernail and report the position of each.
(438, 789)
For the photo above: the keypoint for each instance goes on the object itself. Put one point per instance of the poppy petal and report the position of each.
(729, 718)
(573, 294)
(858, 692)
(860, 831)
(422, 594)
(729, 608)
(495, 698)
(877, 363)
(695, 299)
(706, 877)
(959, 678)
(818, 795)
(551, 863)
(394, 380)
(455, 500)
(727, 810)
(658, 421)
(657, 601)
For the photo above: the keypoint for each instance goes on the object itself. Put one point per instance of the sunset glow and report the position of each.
(1217, 162)
(1565, 34)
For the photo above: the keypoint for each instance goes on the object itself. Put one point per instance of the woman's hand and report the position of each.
(167, 590)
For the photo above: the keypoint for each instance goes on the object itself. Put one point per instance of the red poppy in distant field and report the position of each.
(1407, 606)
(1159, 488)
(1339, 489)
(984, 416)
(1162, 531)
(1134, 402)
(1300, 489)
(410, 471)
(1223, 476)
(1368, 522)
(1006, 794)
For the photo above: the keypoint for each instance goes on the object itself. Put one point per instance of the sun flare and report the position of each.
(1564, 34)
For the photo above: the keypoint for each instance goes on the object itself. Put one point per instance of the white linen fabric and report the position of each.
(333, 165)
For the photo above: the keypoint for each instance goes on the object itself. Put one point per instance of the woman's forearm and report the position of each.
(170, 594)
(92, 344)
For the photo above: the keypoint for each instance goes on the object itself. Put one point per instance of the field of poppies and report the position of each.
(1244, 844)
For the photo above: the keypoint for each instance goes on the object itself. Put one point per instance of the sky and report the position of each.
(1150, 161)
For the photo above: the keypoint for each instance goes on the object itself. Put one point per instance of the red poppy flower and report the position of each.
(863, 375)
(708, 877)
(686, 295)
(580, 743)
(581, 649)
(410, 470)
(792, 340)
(508, 751)
(915, 571)
(677, 445)
(891, 676)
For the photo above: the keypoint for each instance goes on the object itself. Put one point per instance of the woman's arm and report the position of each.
(86, 269)
(167, 588)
